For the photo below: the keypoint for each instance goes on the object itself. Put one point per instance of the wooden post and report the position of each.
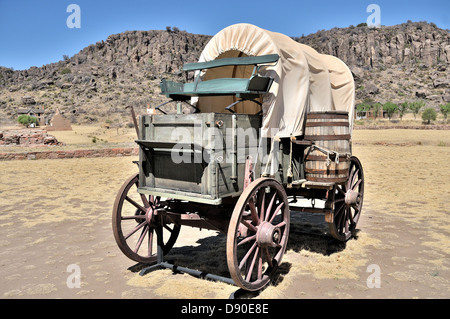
(133, 117)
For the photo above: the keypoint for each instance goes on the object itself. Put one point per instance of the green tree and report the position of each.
(416, 106)
(445, 108)
(390, 108)
(429, 114)
(402, 108)
(27, 120)
(362, 108)
(376, 107)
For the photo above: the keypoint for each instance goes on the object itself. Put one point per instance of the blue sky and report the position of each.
(34, 32)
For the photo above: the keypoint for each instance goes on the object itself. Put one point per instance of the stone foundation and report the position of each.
(27, 137)
(107, 152)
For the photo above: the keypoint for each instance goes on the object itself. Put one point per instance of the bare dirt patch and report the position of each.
(55, 213)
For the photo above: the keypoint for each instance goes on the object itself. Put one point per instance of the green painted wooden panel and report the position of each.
(251, 60)
(204, 178)
(254, 86)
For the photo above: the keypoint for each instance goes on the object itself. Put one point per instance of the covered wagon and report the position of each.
(266, 121)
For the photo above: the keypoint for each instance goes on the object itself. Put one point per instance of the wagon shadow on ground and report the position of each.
(308, 232)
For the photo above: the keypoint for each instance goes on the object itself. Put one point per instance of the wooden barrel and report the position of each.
(328, 130)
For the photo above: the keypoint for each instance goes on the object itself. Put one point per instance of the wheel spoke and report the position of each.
(262, 209)
(249, 226)
(267, 255)
(355, 176)
(252, 265)
(145, 201)
(246, 240)
(283, 223)
(355, 207)
(260, 265)
(276, 212)
(344, 221)
(350, 216)
(168, 228)
(269, 208)
(141, 238)
(253, 211)
(132, 217)
(132, 202)
(135, 229)
(339, 210)
(357, 184)
(244, 259)
(340, 190)
(340, 215)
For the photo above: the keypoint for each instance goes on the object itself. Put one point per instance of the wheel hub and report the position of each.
(268, 235)
(352, 197)
(150, 216)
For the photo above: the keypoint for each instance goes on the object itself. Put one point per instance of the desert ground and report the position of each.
(57, 213)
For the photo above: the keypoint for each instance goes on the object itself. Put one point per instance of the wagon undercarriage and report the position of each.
(256, 223)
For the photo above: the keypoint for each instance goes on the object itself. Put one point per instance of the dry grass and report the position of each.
(83, 134)
(55, 191)
(401, 137)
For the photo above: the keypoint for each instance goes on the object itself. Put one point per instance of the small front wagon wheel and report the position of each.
(135, 226)
(258, 234)
(348, 201)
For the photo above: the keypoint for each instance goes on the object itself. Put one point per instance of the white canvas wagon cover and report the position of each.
(304, 80)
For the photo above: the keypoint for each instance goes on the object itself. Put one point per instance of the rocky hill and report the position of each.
(396, 63)
(97, 83)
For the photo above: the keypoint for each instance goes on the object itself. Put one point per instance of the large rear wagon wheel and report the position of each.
(135, 225)
(348, 201)
(258, 234)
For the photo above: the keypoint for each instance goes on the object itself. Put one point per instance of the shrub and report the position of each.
(429, 114)
(27, 120)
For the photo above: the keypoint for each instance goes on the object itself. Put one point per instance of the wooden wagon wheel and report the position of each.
(258, 234)
(348, 200)
(135, 225)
